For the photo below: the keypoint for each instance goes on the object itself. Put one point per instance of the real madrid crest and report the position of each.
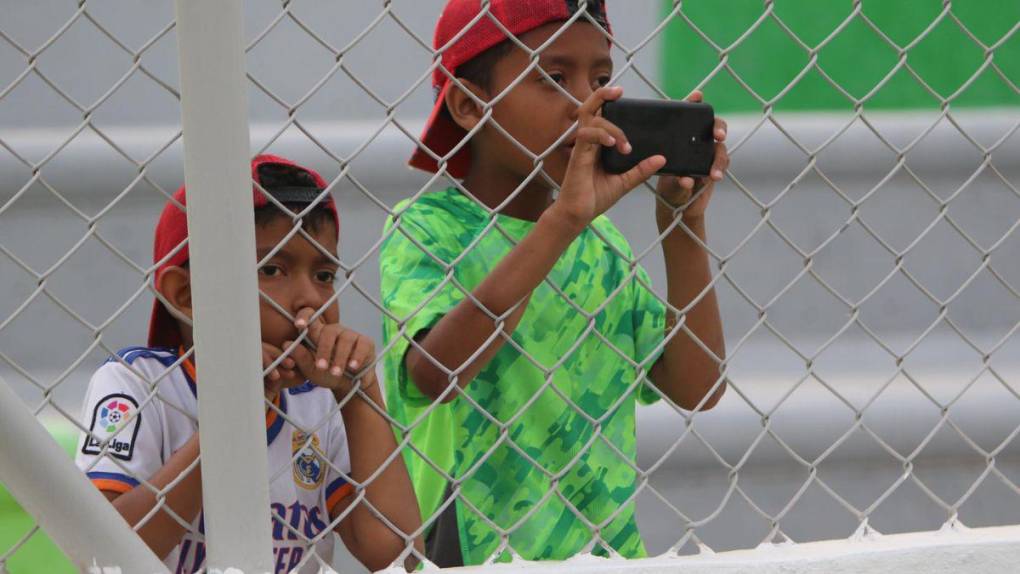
(309, 464)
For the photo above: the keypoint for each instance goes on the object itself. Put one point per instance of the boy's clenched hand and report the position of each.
(340, 353)
(284, 374)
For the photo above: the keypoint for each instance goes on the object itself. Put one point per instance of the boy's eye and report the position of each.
(603, 81)
(556, 77)
(326, 276)
(270, 270)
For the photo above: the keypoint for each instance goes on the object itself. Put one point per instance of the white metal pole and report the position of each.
(235, 475)
(45, 481)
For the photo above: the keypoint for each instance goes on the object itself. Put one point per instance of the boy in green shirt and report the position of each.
(520, 330)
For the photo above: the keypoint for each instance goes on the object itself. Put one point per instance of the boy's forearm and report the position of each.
(162, 532)
(686, 373)
(467, 328)
(371, 443)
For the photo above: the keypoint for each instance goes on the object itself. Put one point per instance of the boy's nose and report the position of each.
(306, 295)
(575, 107)
(581, 95)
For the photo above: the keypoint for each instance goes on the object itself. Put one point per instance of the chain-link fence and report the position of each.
(49, 116)
(863, 249)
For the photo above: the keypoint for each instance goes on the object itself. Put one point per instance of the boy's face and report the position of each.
(299, 275)
(534, 112)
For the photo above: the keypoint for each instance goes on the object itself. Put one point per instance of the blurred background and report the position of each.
(866, 238)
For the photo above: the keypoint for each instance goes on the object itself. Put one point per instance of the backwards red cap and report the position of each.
(172, 230)
(441, 133)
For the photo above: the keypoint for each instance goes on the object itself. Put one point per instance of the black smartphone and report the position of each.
(681, 131)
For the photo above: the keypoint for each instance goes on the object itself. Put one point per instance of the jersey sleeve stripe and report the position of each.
(338, 490)
(107, 485)
(189, 371)
(112, 481)
(274, 422)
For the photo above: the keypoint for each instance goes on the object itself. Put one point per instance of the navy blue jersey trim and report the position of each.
(113, 476)
(305, 387)
(166, 356)
(333, 486)
(132, 354)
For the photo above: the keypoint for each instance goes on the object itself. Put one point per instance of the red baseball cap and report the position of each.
(172, 229)
(441, 133)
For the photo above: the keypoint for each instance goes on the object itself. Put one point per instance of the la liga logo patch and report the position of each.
(115, 422)
(114, 412)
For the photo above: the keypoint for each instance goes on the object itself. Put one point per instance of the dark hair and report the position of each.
(296, 182)
(478, 70)
(277, 175)
(314, 220)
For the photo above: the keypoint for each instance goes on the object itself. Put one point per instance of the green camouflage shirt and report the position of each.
(524, 444)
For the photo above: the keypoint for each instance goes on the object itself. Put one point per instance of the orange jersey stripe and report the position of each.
(111, 485)
(271, 414)
(338, 495)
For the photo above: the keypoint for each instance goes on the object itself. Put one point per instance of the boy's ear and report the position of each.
(175, 286)
(464, 110)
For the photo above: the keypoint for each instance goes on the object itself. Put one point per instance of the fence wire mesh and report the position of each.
(869, 292)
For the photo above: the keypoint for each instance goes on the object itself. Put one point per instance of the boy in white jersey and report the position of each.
(141, 407)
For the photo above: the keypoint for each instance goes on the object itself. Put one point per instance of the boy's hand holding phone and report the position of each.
(677, 190)
(589, 190)
(689, 136)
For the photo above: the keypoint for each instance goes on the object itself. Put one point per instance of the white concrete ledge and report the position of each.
(382, 166)
(951, 550)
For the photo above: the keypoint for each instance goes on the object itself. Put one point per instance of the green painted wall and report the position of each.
(857, 58)
(39, 554)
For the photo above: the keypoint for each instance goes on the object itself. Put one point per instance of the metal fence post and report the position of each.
(210, 41)
(64, 503)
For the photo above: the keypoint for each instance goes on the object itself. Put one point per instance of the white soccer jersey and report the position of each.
(141, 433)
